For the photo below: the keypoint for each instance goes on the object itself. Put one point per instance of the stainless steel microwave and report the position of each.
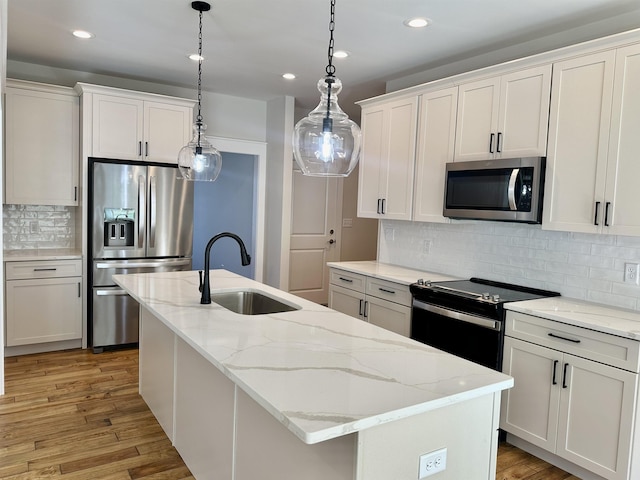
(504, 190)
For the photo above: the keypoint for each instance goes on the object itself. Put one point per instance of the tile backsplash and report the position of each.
(583, 266)
(38, 226)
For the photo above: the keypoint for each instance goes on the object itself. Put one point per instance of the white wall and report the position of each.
(583, 266)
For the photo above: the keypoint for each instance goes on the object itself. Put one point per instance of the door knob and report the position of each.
(332, 241)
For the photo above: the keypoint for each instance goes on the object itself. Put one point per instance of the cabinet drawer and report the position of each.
(43, 269)
(349, 280)
(394, 292)
(601, 347)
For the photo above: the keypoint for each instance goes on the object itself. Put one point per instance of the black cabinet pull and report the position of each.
(555, 366)
(573, 340)
(348, 280)
(378, 209)
(44, 269)
(139, 149)
(79, 290)
(386, 291)
(366, 313)
(146, 149)
(564, 375)
(595, 218)
(606, 213)
(499, 143)
(75, 194)
(360, 308)
(384, 206)
(491, 137)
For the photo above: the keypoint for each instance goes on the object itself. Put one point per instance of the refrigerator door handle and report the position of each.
(143, 264)
(152, 211)
(110, 292)
(141, 210)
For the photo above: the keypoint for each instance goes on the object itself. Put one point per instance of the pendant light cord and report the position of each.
(327, 124)
(199, 116)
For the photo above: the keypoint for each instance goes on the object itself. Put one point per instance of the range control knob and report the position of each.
(495, 298)
(485, 296)
(420, 281)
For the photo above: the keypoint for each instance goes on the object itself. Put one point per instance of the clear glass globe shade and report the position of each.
(327, 149)
(199, 160)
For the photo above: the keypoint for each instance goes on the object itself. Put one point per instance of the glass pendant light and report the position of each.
(199, 160)
(326, 143)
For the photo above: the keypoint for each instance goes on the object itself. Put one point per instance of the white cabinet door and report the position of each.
(436, 141)
(623, 167)
(524, 113)
(385, 188)
(349, 302)
(43, 310)
(41, 146)
(596, 416)
(530, 408)
(117, 127)
(389, 315)
(478, 104)
(581, 100)
(504, 117)
(167, 128)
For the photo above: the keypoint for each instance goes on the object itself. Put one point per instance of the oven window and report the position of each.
(472, 342)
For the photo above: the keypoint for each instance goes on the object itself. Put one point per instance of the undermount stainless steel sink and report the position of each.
(251, 302)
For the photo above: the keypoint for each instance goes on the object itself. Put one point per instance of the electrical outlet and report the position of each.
(433, 462)
(631, 273)
(34, 227)
(426, 246)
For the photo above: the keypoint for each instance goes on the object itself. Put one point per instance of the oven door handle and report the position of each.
(463, 317)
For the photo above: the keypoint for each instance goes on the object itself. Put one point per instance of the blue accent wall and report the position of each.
(226, 205)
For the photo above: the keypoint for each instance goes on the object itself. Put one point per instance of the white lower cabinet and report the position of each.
(565, 400)
(43, 301)
(380, 302)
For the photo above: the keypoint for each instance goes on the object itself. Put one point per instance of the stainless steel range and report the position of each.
(466, 317)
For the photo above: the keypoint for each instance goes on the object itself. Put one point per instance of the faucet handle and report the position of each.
(200, 275)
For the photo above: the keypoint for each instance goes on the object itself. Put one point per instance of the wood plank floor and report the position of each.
(78, 416)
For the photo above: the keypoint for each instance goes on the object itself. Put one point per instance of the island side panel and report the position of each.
(204, 415)
(468, 430)
(267, 450)
(156, 369)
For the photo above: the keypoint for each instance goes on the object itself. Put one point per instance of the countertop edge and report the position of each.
(390, 272)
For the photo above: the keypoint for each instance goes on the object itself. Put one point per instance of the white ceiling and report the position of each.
(248, 44)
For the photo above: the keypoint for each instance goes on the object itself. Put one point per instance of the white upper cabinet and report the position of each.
(41, 144)
(385, 188)
(504, 117)
(129, 125)
(592, 167)
(436, 138)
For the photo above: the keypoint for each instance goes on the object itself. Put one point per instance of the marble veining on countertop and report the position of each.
(319, 372)
(386, 271)
(27, 255)
(615, 321)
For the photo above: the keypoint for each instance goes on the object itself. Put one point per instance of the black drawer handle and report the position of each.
(499, 143)
(573, 340)
(555, 366)
(595, 218)
(44, 269)
(386, 291)
(606, 213)
(348, 280)
(491, 137)
(564, 376)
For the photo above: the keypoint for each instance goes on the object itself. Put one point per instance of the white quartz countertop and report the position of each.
(393, 273)
(42, 254)
(616, 321)
(321, 373)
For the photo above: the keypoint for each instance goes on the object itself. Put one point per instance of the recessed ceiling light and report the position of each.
(340, 54)
(195, 57)
(288, 76)
(417, 22)
(82, 34)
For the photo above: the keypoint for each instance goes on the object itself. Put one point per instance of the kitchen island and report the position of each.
(307, 394)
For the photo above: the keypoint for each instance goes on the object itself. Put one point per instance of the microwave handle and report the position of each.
(512, 189)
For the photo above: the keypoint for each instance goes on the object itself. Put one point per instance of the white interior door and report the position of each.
(315, 235)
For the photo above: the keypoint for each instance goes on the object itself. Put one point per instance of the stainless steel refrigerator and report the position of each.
(140, 220)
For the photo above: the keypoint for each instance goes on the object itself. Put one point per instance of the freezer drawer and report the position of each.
(115, 317)
(104, 269)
